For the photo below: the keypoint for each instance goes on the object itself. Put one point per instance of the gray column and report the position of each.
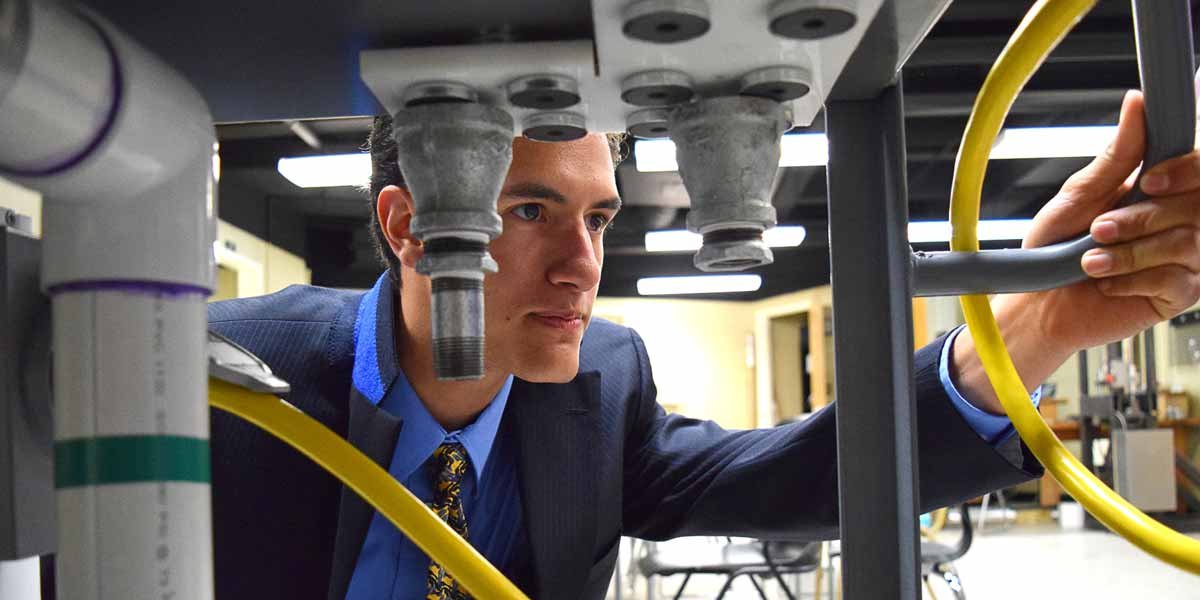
(873, 339)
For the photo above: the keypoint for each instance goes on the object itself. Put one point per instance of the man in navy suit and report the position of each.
(561, 448)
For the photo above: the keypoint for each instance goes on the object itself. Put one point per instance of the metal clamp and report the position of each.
(234, 364)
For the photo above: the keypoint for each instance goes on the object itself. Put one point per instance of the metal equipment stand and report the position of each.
(872, 300)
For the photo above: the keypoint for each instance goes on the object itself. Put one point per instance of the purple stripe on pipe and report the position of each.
(145, 288)
(118, 80)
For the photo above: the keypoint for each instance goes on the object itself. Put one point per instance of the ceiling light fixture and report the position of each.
(812, 149)
(1052, 142)
(328, 170)
(698, 284)
(682, 240)
(992, 229)
(796, 150)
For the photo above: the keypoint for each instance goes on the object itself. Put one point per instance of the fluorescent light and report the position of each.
(803, 150)
(812, 149)
(673, 240)
(796, 150)
(1052, 142)
(992, 229)
(785, 236)
(655, 155)
(682, 240)
(698, 284)
(330, 170)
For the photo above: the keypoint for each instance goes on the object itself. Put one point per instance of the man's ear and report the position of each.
(394, 208)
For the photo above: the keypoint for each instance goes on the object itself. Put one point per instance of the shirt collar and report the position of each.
(375, 362)
(377, 376)
(421, 434)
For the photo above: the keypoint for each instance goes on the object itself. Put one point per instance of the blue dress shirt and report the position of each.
(389, 564)
(994, 429)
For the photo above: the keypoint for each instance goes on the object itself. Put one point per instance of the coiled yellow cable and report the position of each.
(1041, 30)
(369, 480)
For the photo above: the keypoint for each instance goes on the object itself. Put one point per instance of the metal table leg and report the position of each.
(872, 303)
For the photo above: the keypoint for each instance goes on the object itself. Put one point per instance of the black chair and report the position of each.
(754, 559)
(938, 559)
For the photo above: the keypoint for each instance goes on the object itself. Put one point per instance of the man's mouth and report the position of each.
(561, 320)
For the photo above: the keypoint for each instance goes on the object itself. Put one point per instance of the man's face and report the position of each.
(556, 203)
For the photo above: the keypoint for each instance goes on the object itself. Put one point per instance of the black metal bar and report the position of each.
(1114, 352)
(1085, 420)
(27, 512)
(1151, 369)
(1163, 31)
(1086, 437)
(872, 307)
(1085, 378)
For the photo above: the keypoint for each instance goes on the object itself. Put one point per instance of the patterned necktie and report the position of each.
(451, 464)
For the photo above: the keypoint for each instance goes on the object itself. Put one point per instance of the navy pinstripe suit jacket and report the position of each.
(597, 458)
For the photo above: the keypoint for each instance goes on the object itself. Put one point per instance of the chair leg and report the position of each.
(761, 593)
(950, 576)
(778, 576)
(983, 513)
(928, 588)
(1004, 523)
(728, 584)
(679, 592)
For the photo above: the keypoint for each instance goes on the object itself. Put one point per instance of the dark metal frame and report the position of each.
(873, 279)
(872, 300)
(27, 513)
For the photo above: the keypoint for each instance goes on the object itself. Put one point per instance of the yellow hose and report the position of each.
(1045, 25)
(369, 480)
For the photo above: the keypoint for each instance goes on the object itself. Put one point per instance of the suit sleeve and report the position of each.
(691, 477)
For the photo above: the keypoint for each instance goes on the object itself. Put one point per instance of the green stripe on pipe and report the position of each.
(130, 459)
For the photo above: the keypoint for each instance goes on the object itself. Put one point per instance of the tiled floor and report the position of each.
(1051, 563)
(1018, 562)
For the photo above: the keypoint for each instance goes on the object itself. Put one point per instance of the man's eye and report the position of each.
(598, 222)
(527, 212)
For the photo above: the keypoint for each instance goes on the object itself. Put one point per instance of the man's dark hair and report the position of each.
(385, 171)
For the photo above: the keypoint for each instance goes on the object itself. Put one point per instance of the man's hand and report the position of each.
(1148, 271)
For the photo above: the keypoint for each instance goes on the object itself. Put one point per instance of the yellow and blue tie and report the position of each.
(450, 462)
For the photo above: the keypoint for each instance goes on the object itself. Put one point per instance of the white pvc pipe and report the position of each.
(21, 579)
(131, 444)
(122, 149)
(61, 111)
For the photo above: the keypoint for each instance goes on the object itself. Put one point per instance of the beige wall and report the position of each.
(260, 268)
(814, 302)
(24, 201)
(710, 358)
(787, 364)
(698, 350)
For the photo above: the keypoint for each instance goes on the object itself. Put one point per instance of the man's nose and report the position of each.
(575, 261)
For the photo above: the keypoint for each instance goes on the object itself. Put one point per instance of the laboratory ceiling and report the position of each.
(261, 65)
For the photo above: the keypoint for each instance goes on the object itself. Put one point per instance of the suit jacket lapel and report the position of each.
(374, 432)
(555, 431)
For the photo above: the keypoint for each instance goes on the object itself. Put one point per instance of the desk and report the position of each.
(1049, 491)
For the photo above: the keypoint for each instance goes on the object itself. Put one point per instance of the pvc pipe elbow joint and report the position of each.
(121, 146)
